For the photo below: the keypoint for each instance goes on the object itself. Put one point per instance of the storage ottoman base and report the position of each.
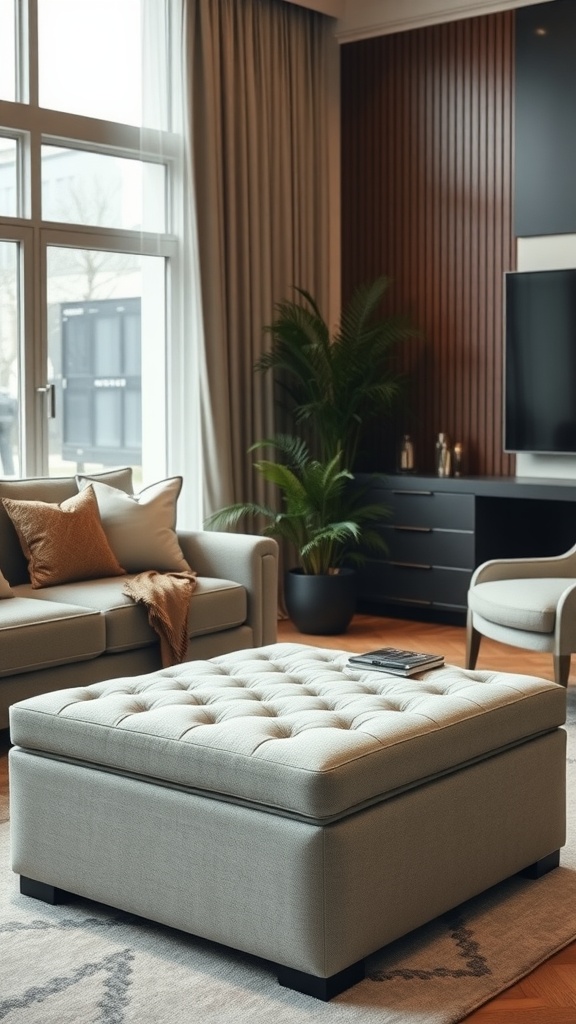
(315, 900)
(283, 803)
(309, 984)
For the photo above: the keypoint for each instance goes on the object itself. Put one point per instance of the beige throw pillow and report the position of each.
(141, 528)
(5, 588)
(65, 542)
(120, 478)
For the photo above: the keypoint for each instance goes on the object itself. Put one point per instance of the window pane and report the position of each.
(7, 51)
(105, 310)
(9, 349)
(108, 344)
(108, 418)
(101, 45)
(8, 177)
(79, 187)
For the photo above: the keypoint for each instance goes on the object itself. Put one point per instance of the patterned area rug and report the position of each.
(84, 962)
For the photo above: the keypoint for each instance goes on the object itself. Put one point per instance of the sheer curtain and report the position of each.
(174, 432)
(262, 117)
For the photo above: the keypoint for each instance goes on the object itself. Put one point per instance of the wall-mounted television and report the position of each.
(540, 361)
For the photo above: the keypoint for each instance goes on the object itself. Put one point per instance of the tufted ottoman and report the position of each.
(282, 803)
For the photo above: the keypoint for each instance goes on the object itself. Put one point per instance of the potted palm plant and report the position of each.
(324, 520)
(332, 386)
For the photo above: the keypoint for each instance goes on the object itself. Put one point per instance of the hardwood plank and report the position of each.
(542, 1015)
(548, 986)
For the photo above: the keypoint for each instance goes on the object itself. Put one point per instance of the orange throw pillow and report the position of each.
(63, 543)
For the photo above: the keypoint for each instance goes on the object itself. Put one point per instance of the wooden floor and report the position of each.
(548, 995)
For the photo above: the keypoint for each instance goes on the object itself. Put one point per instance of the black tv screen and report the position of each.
(540, 361)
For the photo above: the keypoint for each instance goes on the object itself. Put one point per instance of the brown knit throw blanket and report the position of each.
(166, 595)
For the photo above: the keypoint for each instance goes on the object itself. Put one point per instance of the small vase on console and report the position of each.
(443, 456)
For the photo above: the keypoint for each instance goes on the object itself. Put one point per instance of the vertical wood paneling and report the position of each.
(427, 166)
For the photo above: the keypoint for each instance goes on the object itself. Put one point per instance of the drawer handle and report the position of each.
(428, 494)
(414, 529)
(410, 565)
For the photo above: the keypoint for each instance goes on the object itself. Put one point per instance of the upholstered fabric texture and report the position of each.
(5, 588)
(120, 478)
(35, 635)
(287, 890)
(141, 528)
(528, 604)
(63, 542)
(291, 727)
(218, 606)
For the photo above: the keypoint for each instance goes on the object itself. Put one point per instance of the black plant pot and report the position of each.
(323, 605)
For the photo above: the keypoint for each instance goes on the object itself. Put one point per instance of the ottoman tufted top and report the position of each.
(288, 727)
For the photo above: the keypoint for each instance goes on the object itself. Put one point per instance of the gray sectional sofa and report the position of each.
(86, 631)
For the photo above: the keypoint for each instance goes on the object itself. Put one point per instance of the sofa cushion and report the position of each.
(54, 489)
(126, 624)
(141, 528)
(36, 634)
(63, 542)
(216, 605)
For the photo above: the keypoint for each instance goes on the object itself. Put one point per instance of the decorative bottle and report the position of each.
(457, 456)
(406, 460)
(443, 455)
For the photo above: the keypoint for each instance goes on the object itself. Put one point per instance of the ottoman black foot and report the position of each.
(542, 867)
(322, 988)
(42, 891)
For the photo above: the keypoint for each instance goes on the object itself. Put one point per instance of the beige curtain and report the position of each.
(261, 90)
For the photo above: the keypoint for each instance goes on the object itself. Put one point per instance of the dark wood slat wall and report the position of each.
(427, 169)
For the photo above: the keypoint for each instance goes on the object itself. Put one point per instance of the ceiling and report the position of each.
(359, 19)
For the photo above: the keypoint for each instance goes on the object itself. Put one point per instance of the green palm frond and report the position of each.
(232, 515)
(338, 384)
(320, 514)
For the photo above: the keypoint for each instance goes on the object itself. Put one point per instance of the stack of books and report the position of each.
(396, 661)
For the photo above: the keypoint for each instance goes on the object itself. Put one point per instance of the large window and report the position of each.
(90, 179)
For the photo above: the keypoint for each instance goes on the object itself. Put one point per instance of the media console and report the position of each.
(440, 529)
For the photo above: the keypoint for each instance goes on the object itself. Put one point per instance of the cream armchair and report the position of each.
(525, 602)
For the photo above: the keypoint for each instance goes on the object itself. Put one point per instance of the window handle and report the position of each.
(50, 391)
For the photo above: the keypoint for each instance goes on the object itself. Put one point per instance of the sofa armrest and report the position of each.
(245, 559)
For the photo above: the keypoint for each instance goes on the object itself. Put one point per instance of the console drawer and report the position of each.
(428, 586)
(451, 548)
(428, 508)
